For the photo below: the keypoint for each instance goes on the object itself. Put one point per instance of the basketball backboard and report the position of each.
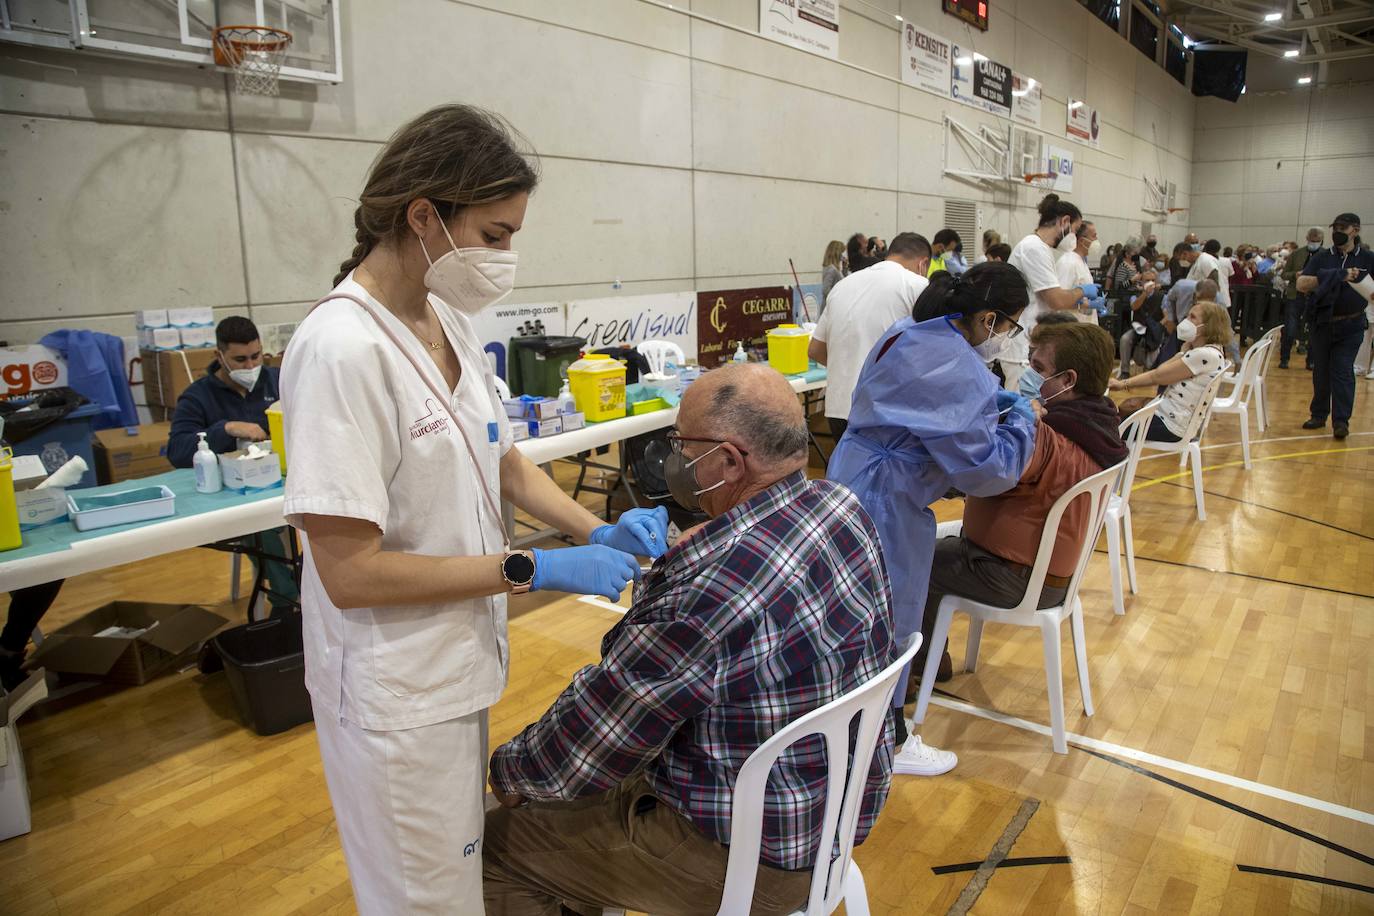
(178, 31)
(983, 155)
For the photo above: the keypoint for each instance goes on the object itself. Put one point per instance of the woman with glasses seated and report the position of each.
(928, 416)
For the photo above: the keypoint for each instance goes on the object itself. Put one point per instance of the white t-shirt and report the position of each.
(1035, 260)
(1202, 270)
(1073, 271)
(1181, 398)
(366, 439)
(858, 310)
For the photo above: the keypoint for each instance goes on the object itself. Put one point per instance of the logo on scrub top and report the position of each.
(431, 422)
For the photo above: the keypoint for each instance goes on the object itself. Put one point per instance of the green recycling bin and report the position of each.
(538, 365)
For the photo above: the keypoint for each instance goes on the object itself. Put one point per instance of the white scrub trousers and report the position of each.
(410, 809)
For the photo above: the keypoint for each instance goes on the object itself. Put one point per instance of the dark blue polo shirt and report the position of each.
(1348, 302)
(208, 404)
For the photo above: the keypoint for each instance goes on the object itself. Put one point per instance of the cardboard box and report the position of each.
(25, 369)
(127, 453)
(140, 641)
(242, 473)
(167, 374)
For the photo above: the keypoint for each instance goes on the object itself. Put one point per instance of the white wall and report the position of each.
(678, 152)
(1284, 158)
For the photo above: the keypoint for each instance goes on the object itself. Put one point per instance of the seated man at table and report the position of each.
(229, 404)
(990, 561)
(776, 606)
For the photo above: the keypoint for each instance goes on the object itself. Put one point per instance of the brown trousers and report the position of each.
(623, 849)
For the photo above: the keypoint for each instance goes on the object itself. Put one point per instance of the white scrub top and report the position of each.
(365, 439)
(1035, 260)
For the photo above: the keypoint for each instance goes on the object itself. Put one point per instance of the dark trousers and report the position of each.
(837, 427)
(1333, 348)
(27, 607)
(1294, 328)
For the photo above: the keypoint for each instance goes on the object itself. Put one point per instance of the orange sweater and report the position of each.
(1010, 524)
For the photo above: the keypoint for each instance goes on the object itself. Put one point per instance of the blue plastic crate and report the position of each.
(58, 442)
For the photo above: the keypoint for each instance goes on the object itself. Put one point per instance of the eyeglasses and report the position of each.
(676, 441)
(1016, 329)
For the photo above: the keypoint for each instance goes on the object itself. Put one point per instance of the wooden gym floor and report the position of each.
(1229, 766)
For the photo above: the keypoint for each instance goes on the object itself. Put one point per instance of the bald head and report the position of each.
(1206, 291)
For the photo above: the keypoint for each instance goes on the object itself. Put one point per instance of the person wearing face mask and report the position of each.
(400, 454)
(927, 416)
(1150, 253)
(990, 560)
(776, 606)
(1294, 302)
(1031, 380)
(229, 404)
(1205, 333)
(1338, 314)
(1073, 271)
(1191, 240)
(1034, 258)
(1179, 263)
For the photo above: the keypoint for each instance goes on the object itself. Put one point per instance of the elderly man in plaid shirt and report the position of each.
(776, 606)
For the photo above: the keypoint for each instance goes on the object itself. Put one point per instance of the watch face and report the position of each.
(518, 568)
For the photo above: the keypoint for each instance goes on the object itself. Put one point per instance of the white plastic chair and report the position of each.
(1118, 520)
(1274, 337)
(1243, 384)
(832, 880)
(656, 352)
(1189, 447)
(502, 388)
(1096, 490)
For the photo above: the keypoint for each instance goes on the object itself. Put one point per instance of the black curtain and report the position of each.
(1219, 73)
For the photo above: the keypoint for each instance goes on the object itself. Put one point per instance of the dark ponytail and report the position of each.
(365, 243)
(1052, 209)
(986, 286)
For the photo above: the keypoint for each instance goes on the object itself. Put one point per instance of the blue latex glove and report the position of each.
(590, 570)
(1011, 402)
(1091, 291)
(642, 532)
(1100, 304)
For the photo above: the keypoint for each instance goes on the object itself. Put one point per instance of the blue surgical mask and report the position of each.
(1196, 247)
(1314, 246)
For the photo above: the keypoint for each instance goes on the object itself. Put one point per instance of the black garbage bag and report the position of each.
(27, 415)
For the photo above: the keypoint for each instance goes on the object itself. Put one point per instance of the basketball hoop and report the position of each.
(1173, 210)
(1042, 180)
(255, 54)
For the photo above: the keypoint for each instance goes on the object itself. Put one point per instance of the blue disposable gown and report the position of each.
(924, 419)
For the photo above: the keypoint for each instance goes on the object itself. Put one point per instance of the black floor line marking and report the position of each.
(983, 873)
(1299, 876)
(1005, 863)
(1239, 809)
(1231, 572)
(1248, 502)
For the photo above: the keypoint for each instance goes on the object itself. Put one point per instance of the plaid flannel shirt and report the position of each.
(770, 611)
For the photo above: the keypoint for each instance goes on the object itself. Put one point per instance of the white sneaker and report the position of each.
(919, 759)
(1369, 374)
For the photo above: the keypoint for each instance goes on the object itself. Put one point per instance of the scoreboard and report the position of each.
(974, 12)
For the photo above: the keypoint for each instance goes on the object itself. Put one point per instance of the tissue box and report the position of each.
(241, 473)
(541, 428)
(572, 421)
(197, 338)
(39, 507)
(150, 318)
(191, 318)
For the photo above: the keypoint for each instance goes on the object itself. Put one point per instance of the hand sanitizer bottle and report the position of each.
(740, 355)
(566, 405)
(206, 464)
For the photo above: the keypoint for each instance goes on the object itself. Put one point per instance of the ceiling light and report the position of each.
(1272, 17)
(1075, 105)
(1291, 53)
(1304, 80)
(899, 17)
(963, 61)
(977, 56)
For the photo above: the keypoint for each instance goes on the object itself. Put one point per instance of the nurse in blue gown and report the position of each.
(928, 415)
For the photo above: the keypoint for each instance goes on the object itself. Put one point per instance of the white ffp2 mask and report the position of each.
(470, 279)
(1187, 331)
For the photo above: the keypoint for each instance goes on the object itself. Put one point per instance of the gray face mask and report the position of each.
(682, 479)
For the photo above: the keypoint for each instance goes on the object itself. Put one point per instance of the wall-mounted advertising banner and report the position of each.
(1061, 164)
(727, 316)
(1025, 100)
(634, 319)
(925, 59)
(980, 82)
(1082, 123)
(812, 25)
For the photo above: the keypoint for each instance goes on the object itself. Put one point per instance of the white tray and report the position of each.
(160, 507)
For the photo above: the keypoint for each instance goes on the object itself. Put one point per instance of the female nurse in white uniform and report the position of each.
(400, 453)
